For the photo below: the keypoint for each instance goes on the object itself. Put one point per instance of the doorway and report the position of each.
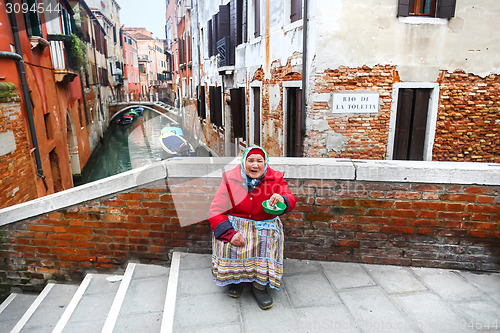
(413, 121)
(293, 122)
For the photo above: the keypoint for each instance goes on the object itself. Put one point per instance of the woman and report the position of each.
(248, 242)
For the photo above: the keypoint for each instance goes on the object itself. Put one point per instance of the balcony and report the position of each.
(63, 62)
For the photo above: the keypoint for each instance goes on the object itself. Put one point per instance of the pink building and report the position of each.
(130, 55)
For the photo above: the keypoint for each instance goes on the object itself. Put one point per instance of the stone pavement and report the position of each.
(342, 297)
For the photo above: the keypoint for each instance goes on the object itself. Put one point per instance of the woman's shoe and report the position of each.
(264, 300)
(235, 289)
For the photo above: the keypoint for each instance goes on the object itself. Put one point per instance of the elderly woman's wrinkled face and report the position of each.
(254, 165)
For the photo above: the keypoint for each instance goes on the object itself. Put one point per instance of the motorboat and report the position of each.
(175, 144)
(124, 120)
(139, 110)
(176, 130)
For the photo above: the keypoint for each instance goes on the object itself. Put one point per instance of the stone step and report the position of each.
(47, 308)
(13, 308)
(133, 302)
(91, 304)
(142, 307)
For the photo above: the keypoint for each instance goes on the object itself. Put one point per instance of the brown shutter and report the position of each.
(446, 8)
(256, 18)
(419, 125)
(224, 30)
(209, 37)
(202, 113)
(403, 123)
(295, 10)
(211, 97)
(218, 106)
(298, 133)
(404, 7)
(256, 116)
(215, 34)
(223, 22)
(238, 112)
(244, 22)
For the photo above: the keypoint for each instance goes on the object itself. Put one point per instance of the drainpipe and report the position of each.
(304, 76)
(26, 92)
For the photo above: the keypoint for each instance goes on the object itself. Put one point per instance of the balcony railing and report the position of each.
(64, 64)
(223, 52)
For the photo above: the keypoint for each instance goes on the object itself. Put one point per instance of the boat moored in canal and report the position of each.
(175, 144)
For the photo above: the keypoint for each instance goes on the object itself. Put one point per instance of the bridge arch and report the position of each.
(124, 109)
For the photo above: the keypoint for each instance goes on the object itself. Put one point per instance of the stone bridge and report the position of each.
(408, 213)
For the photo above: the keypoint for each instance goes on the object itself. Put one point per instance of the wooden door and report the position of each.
(411, 124)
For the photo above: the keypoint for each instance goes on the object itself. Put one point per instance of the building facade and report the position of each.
(399, 79)
(131, 66)
(44, 123)
(107, 13)
(152, 63)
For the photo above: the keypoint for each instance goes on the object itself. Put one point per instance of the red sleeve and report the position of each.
(217, 215)
(285, 191)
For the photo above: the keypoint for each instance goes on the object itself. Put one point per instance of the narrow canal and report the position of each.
(128, 146)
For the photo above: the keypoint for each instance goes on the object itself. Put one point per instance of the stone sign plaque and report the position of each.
(348, 102)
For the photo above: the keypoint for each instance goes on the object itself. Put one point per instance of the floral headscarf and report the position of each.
(251, 182)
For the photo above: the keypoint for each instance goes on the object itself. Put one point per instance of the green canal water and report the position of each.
(126, 147)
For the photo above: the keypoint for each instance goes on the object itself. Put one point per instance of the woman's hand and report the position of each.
(238, 240)
(275, 198)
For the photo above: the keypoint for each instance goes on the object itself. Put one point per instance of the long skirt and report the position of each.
(260, 260)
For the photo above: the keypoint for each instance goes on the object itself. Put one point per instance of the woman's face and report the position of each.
(254, 165)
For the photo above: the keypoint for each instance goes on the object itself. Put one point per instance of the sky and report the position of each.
(149, 14)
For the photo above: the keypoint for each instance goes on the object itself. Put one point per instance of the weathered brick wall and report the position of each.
(17, 184)
(468, 126)
(364, 135)
(418, 224)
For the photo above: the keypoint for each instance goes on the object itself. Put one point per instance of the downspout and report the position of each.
(303, 113)
(18, 57)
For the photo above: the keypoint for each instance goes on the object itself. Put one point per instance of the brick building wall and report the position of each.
(16, 165)
(363, 135)
(340, 217)
(468, 127)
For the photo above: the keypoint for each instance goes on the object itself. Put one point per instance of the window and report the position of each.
(430, 8)
(254, 119)
(215, 105)
(238, 113)
(32, 19)
(256, 16)
(201, 102)
(295, 10)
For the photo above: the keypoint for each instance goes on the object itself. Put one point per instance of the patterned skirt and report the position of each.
(260, 260)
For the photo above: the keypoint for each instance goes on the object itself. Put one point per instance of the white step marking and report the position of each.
(118, 301)
(167, 323)
(6, 303)
(72, 304)
(27, 315)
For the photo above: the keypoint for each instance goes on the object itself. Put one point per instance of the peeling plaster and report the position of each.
(7, 143)
(335, 142)
(320, 125)
(274, 97)
(356, 33)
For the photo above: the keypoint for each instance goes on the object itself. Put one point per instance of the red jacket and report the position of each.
(247, 205)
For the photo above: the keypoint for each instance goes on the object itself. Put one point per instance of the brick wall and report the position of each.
(468, 127)
(339, 217)
(16, 165)
(364, 135)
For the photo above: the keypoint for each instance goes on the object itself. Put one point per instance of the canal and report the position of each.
(129, 146)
